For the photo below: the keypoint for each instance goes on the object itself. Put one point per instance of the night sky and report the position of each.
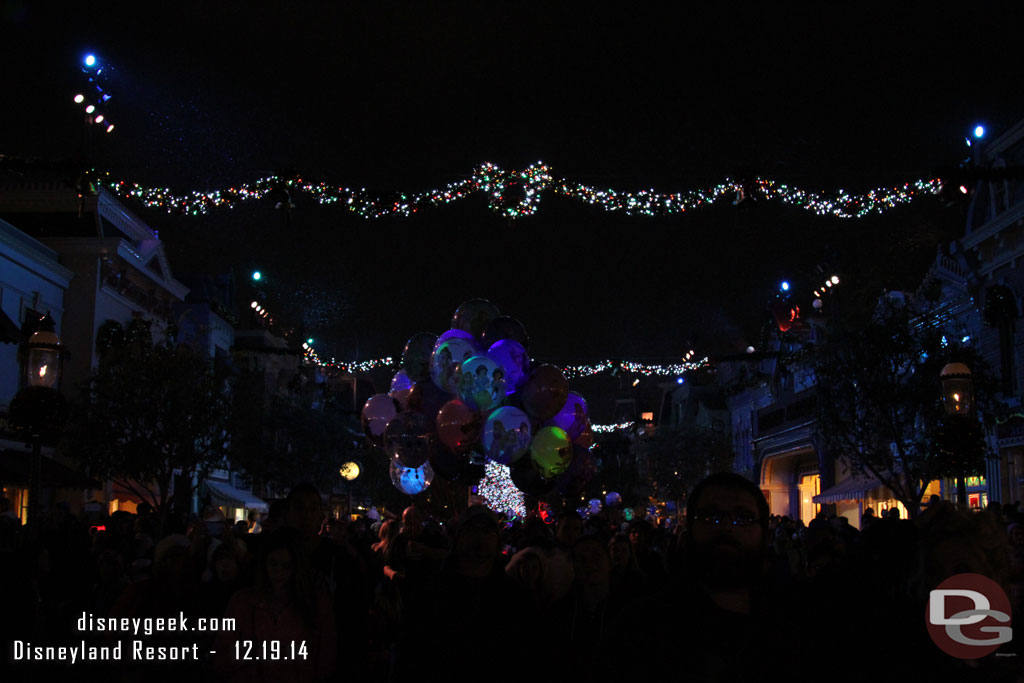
(411, 96)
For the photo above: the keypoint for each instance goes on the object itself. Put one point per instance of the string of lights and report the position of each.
(517, 194)
(619, 366)
(570, 371)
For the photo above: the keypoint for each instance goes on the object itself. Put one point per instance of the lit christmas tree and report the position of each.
(500, 493)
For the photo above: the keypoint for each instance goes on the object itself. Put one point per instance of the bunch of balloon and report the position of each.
(472, 394)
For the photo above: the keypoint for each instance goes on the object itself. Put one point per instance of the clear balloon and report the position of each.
(506, 327)
(416, 355)
(572, 417)
(411, 480)
(409, 438)
(401, 388)
(594, 506)
(458, 427)
(511, 355)
(474, 316)
(446, 359)
(544, 392)
(377, 412)
(550, 452)
(481, 383)
(507, 435)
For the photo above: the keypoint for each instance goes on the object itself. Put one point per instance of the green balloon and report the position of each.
(551, 451)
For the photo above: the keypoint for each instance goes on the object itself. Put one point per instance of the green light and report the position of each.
(256, 275)
(309, 341)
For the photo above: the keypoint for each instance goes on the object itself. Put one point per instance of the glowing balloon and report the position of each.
(507, 435)
(401, 388)
(446, 359)
(409, 438)
(593, 506)
(411, 480)
(453, 334)
(572, 417)
(481, 383)
(550, 451)
(513, 359)
(613, 499)
(377, 412)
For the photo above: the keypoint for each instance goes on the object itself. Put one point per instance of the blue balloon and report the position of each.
(481, 383)
(507, 435)
(411, 480)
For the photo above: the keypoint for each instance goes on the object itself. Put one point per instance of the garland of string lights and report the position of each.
(570, 371)
(516, 194)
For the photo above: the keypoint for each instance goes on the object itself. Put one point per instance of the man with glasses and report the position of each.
(720, 619)
(727, 549)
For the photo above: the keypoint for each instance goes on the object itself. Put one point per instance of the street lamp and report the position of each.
(957, 389)
(43, 357)
(958, 402)
(39, 407)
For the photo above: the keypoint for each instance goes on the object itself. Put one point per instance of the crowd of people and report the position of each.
(731, 593)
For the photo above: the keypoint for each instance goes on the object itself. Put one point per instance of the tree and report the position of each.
(879, 400)
(283, 439)
(149, 413)
(679, 456)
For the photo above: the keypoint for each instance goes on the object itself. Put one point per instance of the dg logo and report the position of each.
(968, 616)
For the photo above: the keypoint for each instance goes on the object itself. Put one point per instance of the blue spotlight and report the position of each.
(256, 275)
(784, 286)
(979, 131)
(90, 60)
(679, 380)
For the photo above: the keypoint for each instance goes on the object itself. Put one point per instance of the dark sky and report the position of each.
(410, 96)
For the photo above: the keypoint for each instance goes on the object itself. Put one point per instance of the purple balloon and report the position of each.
(378, 411)
(511, 356)
(453, 334)
(572, 417)
(401, 388)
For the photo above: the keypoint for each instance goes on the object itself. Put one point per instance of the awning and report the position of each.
(854, 488)
(226, 494)
(16, 468)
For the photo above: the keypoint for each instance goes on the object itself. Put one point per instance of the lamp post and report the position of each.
(958, 402)
(39, 407)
